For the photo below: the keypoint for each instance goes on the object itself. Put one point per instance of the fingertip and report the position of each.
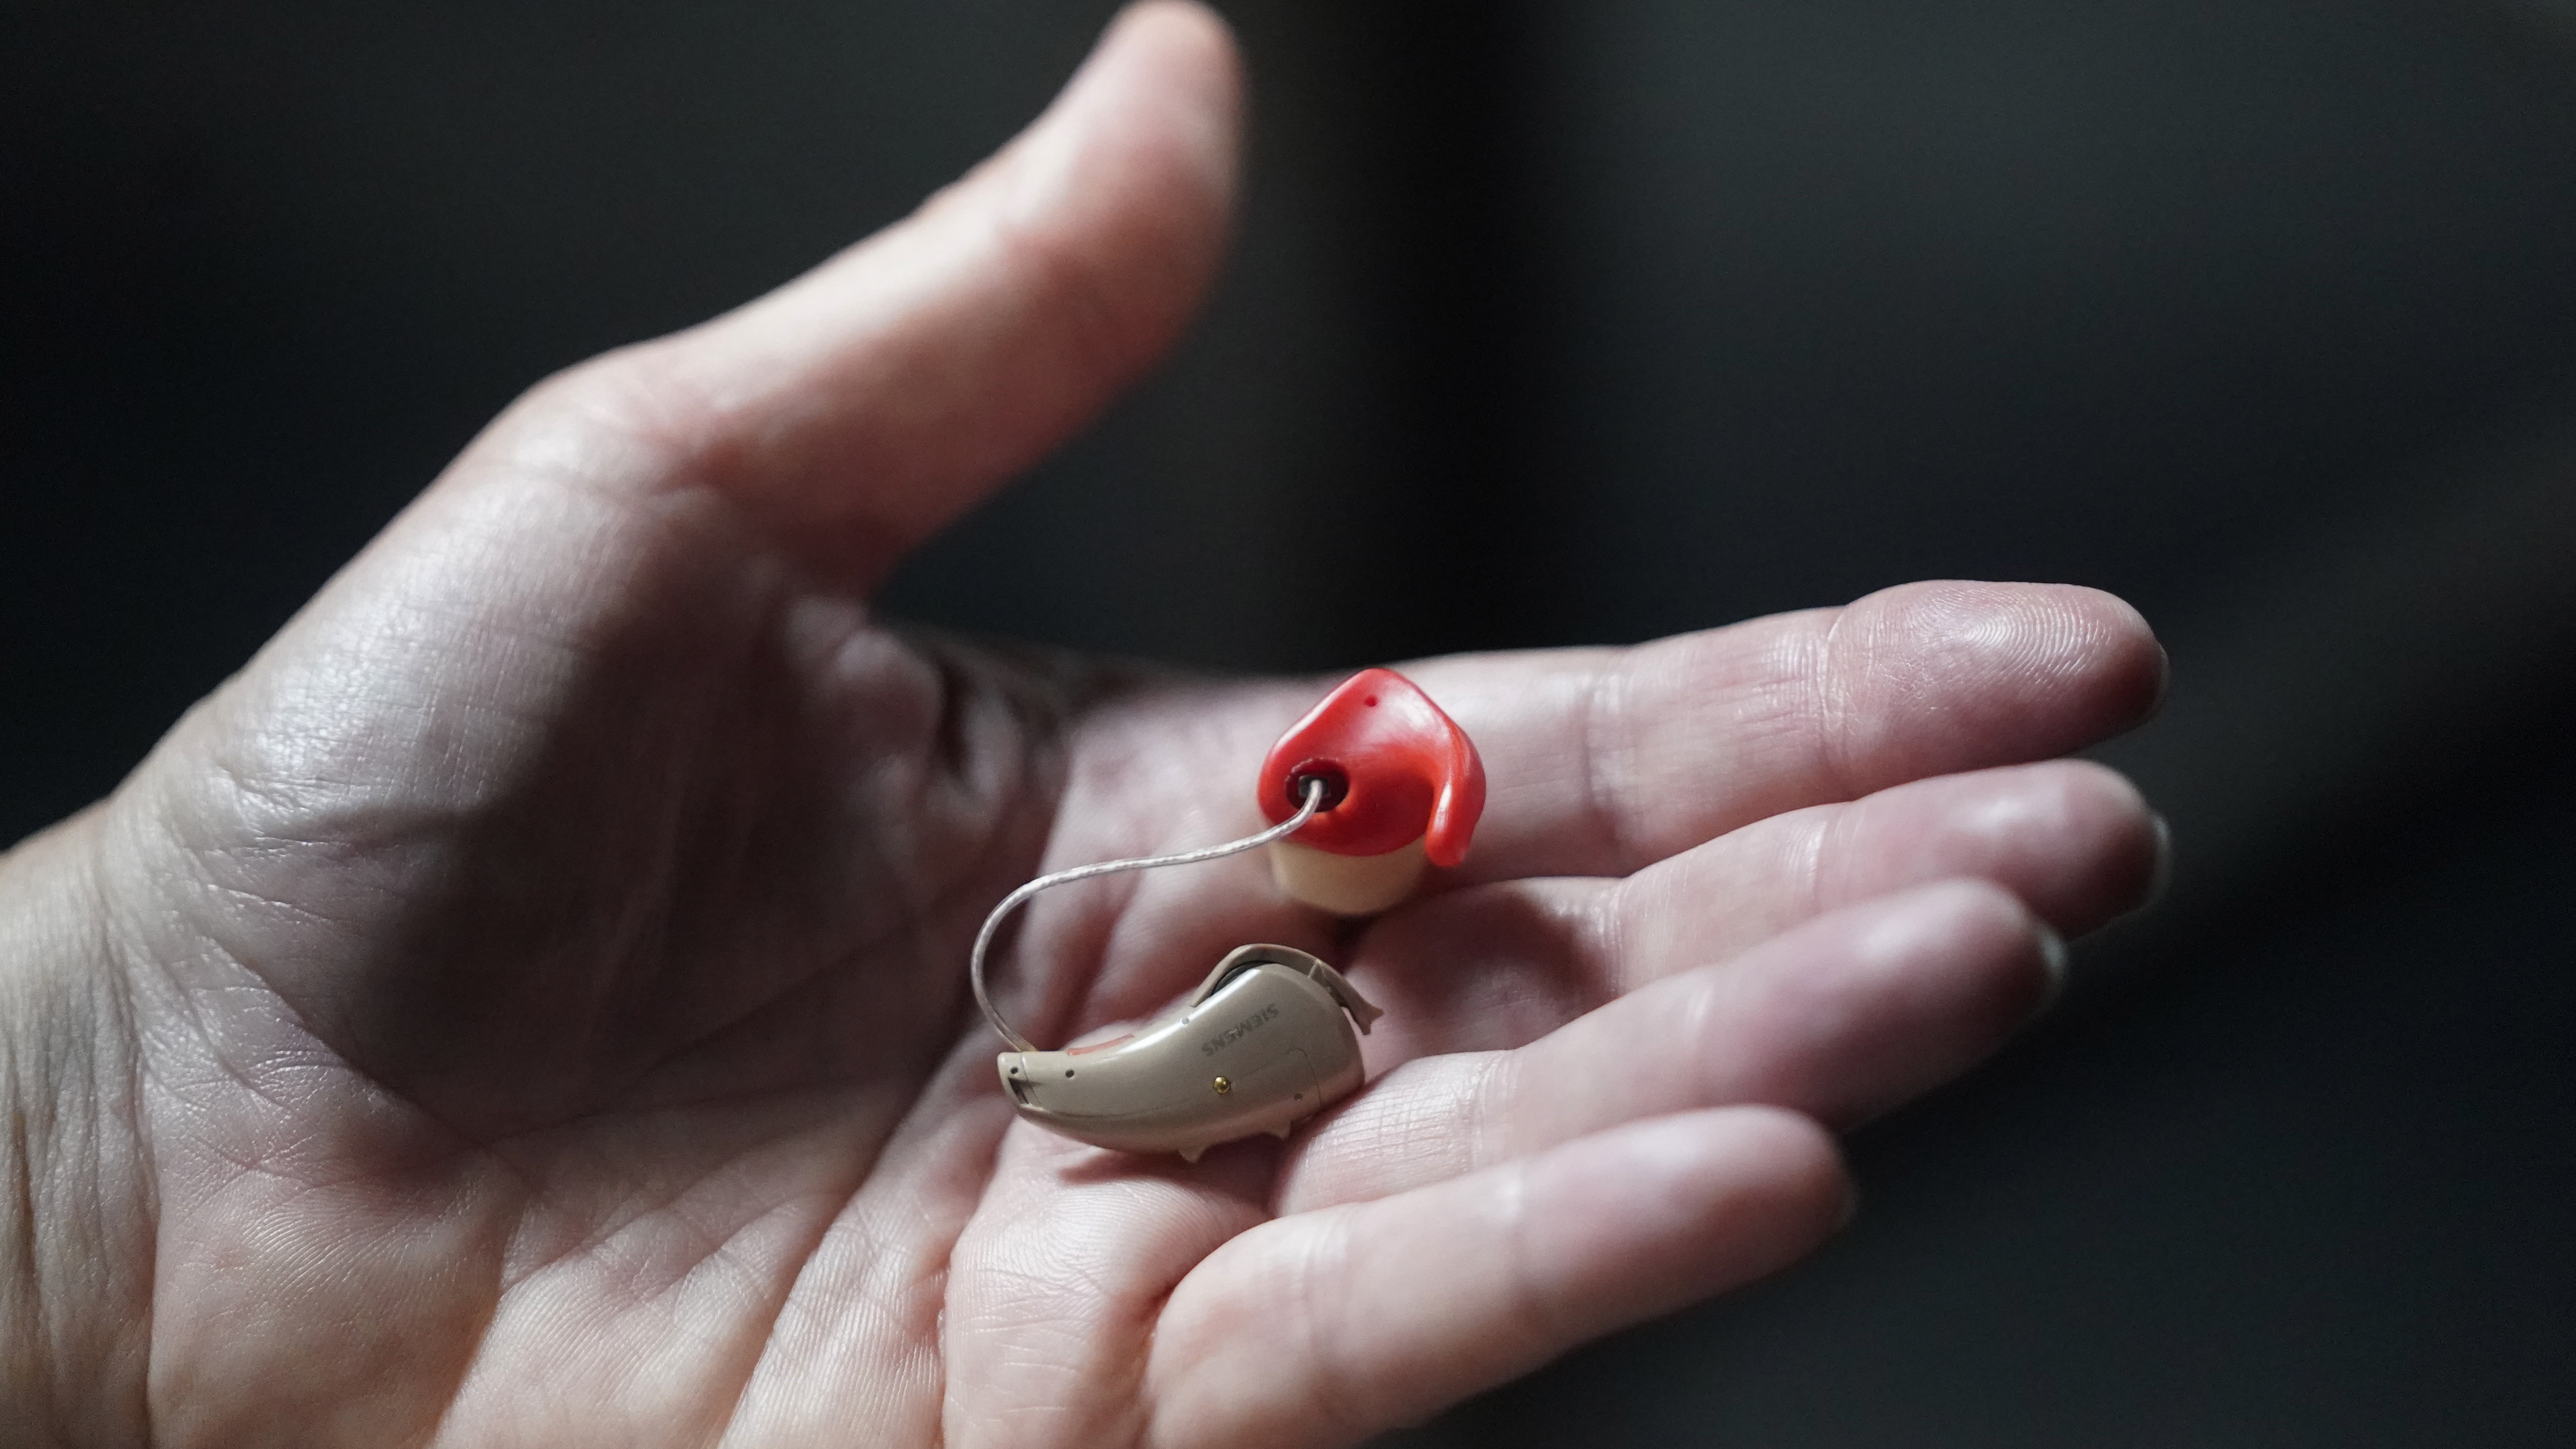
(1709, 1200)
(2131, 671)
(2110, 847)
(1178, 17)
(1963, 916)
(1126, 185)
(1810, 1186)
(2133, 843)
(1176, 63)
(1998, 963)
(2021, 671)
(1198, 37)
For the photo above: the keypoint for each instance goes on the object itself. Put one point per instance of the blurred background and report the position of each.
(1582, 321)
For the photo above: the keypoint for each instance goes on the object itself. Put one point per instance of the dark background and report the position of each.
(1581, 321)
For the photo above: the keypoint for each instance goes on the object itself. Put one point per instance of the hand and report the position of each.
(527, 1005)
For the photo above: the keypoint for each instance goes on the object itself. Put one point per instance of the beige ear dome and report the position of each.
(1347, 885)
(1264, 1043)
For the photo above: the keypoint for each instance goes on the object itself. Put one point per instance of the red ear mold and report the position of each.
(1395, 768)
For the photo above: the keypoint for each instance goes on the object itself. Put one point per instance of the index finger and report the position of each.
(1604, 761)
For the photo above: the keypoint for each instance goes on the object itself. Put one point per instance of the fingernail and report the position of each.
(2052, 957)
(2162, 879)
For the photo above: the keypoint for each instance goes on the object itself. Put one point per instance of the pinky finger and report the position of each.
(1322, 1328)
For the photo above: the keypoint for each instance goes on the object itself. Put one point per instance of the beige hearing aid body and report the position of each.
(1264, 1043)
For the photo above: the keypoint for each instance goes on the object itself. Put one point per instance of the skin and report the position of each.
(526, 1004)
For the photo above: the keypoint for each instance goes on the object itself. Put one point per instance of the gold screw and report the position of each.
(1223, 1086)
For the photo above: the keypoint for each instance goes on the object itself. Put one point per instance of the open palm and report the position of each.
(527, 1005)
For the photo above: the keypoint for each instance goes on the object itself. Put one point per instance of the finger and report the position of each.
(2072, 840)
(870, 401)
(1603, 762)
(1326, 1327)
(1839, 1019)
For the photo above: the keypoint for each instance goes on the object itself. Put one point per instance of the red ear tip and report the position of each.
(1404, 768)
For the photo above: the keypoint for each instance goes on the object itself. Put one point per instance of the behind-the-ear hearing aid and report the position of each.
(1372, 785)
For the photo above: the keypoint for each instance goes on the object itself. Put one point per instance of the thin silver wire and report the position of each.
(1315, 789)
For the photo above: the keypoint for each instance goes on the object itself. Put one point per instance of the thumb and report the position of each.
(864, 405)
(589, 597)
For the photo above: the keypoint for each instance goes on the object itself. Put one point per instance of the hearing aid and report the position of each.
(1270, 1037)
(1264, 1043)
